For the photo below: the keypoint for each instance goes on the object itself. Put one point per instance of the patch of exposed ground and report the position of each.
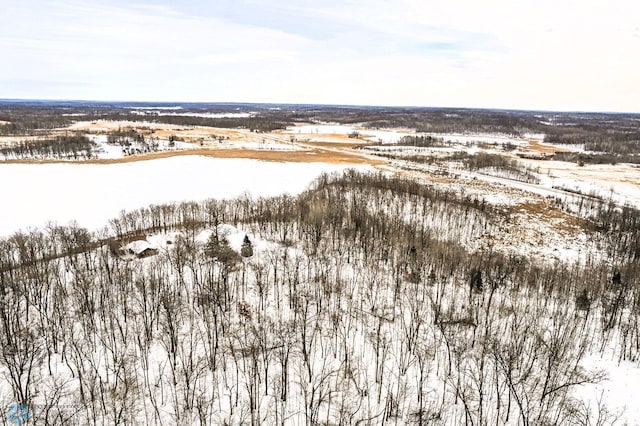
(545, 211)
(540, 230)
(543, 148)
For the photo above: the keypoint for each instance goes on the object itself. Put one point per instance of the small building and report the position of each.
(141, 249)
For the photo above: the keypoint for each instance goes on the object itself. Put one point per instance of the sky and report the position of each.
(544, 54)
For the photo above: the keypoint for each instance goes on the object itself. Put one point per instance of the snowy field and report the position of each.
(383, 136)
(93, 194)
(619, 183)
(479, 138)
(617, 392)
(322, 129)
(392, 136)
(106, 151)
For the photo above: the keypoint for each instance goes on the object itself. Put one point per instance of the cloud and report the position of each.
(496, 53)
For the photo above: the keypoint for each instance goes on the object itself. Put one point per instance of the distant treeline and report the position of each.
(265, 123)
(603, 158)
(29, 122)
(599, 138)
(421, 141)
(124, 136)
(611, 133)
(74, 147)
(432, 120)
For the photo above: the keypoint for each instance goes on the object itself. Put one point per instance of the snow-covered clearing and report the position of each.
(469, 139)
(105, 150)
(619, 182)
(312, 131)
(384, 136)
(92, 194)
(617, 392)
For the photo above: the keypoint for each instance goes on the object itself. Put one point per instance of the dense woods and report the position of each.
(605, 145)
(356, 302)
(421, 141)
(72, 147)
(263, 123)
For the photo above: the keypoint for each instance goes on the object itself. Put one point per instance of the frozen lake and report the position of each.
(34, 194)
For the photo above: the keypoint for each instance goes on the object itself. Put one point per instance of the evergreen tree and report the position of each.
(247, 247)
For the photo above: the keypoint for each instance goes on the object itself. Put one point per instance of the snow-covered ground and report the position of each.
(384, 136)
(617, 392)
(107, 151)
(468, 139)
(92, 194)
(371, 135)
(619, 183)
(391, 136)
(312, 129)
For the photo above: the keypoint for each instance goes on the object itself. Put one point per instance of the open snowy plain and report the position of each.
(91, 194)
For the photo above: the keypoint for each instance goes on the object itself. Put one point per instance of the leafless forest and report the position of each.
(355, 302)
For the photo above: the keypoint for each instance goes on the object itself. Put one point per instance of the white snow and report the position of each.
(323, 129)
(92, 194)
(107, 151)
(619, 183)
(138, 247)
(384, 136)
(618, 392)
(466, 139)
(233, 235)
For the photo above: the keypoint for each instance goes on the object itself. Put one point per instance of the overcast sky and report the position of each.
(556, 54)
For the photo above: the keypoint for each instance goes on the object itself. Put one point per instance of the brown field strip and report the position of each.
(320, 156)
(341, 145)
(537, 146)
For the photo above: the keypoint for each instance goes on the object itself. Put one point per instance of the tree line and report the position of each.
(73, 147)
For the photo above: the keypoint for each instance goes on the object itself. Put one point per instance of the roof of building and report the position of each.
(139, 247)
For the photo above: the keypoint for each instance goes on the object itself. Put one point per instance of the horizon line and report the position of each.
(326, 105)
